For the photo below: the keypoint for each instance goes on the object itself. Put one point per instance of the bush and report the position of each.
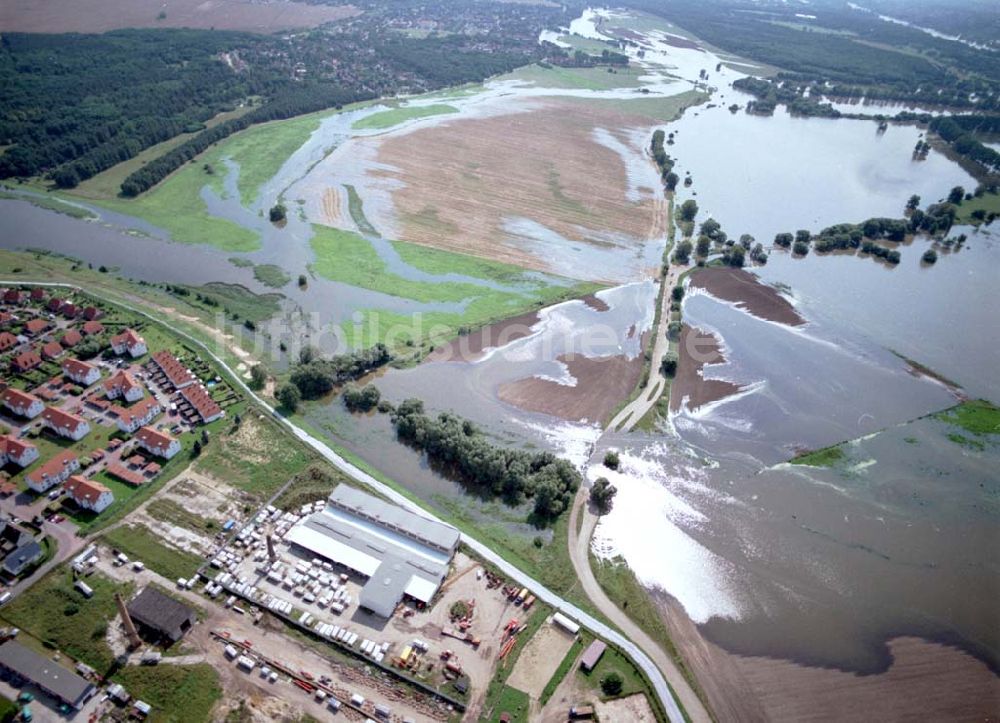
(277, 213)
(929, 257)
(288, 396)
(800, 248)
(363, 399)
(257, 376)
(602, 494)
(669, 364)
(611, 459)
(612, 684)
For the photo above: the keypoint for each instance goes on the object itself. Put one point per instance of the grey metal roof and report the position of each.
(50, 676)
(158, 611)
(385, 587)
(363, 504)
(23, 556)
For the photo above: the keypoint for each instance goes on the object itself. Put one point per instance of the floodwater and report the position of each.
(771, 559)
(783, 173)
(572, 328)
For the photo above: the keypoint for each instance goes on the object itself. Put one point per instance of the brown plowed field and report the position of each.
(926, 681)
(97, 16)
(601, 384)
(746, 291)
(696, 349)
(463, 178)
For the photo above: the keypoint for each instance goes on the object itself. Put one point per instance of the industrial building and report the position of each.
(160, 616)
(60, 683)
(401, 553)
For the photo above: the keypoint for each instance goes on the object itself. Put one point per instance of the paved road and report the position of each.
(656, 678)
(63, 534)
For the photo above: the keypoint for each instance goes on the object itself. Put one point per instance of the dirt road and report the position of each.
(637, 408)
(579, 546)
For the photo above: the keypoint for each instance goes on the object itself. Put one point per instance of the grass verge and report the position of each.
(61, 618)
(395, 116)
(976, 416)
(177, 693)
(826, 457)
(565, 666)
(139, 543)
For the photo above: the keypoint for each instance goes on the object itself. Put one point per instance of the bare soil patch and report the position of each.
(634, 708)
(539, 660)
(470, 347)
(595, 303)
(746, 291)
(696, 349)
(97, 16)
(538, 164)
(331, 206)
(601, 384)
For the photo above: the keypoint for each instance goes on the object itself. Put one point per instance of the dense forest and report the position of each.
(73, 105)
(854, 51)
(83, 103)
(456, 447)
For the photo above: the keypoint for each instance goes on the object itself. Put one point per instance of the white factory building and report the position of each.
(401, 553)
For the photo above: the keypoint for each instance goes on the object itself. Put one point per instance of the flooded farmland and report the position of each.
(818, 568)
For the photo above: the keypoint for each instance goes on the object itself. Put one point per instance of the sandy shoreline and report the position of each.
(746, 291)
(696, 349)
(601, 384)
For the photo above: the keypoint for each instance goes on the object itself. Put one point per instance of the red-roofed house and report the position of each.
(54, 471)
(26, 361)
(17, 451)
(65, 424)
(138, 415)
(90, 328)
(5, 318)
(52, 350)
(37, 293)
(13, 296)
(176, 373)
(203, 404)
(7, 341)
(71, 338)
(55, 304)
(34, 327)
(158, 443)
(70, 310)
(124, 385)
(128, 341)
(81, 372)
(21, 403)
(89, 494)
(92, 312)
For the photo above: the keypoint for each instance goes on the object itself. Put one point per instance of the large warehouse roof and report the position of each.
(370, 537)
(51, 677)
(362, 504)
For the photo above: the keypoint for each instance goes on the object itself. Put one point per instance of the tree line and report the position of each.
(457, 447)
(958, 132)
(663, 160)
(314, 376)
